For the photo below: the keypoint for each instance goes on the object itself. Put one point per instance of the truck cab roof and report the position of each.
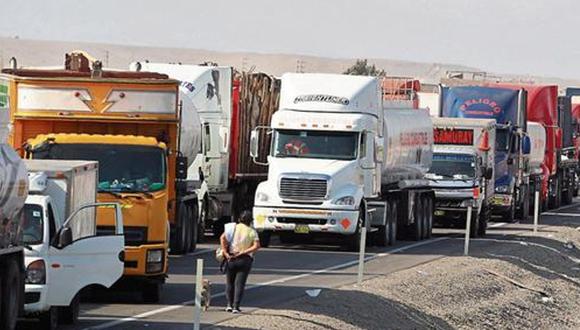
(97, 138)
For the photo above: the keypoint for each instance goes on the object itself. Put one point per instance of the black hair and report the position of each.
(246, 218)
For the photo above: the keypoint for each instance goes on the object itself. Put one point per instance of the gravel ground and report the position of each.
(522, 282)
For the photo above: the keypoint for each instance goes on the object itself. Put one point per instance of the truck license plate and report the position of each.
(301, 229)
(439, 212)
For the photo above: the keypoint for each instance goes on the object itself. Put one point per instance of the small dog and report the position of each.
(206, 294)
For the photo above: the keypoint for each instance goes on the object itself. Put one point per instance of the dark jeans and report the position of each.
(237, 271)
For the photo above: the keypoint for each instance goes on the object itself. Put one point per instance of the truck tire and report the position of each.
(10, 304)
(474, 229)
(181, 234)
(524, 211)
(484, 217)
(429, 217)
(568, 195)
(554, 201)
(151, 292)
(392, 221)
(265, 238)
(417, 227)
(49, 319)
(70, 313)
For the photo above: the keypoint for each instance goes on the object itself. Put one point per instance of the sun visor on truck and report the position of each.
(480, 102)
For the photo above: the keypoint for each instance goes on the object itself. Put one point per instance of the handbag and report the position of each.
(230, 231)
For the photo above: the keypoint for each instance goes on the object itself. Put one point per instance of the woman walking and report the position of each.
(239, 242)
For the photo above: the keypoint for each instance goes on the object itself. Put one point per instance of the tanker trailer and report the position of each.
(13, 193)
(338, 158)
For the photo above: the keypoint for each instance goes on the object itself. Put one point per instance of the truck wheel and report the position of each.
(151, 292)
(392, 221)
(568, 195)
(417, 227)
(193, 226)
(525, 207)
(353, 241)
(181, 233)
(70, 314)
(484, 217)
(49, 319)
(265, 237)
(474, 224)
(11, 285)
(429, 217)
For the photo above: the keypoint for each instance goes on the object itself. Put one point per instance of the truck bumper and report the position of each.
(136, 261)
(501, 203)
(305, 221)
(35, 299)
(452, 213)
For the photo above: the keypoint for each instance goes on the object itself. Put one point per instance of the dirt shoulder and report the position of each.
(523, 281)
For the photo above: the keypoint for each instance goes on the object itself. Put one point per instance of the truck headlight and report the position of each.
(36, 272)
(502, 189)
(262, 197)
(346, 200)
(154, 261)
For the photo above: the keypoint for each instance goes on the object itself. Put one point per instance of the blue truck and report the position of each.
(508, 107)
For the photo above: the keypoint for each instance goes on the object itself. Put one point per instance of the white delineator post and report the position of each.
(198, 290)
(363, 244)
(467, 230)
(536, 210)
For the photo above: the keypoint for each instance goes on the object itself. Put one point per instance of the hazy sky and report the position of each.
(508, 36)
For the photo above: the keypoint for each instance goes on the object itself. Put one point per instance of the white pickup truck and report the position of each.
(63, 253)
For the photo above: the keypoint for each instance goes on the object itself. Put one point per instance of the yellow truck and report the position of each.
(129, 122)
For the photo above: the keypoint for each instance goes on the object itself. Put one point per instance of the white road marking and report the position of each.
(259, 285)
(562, 214)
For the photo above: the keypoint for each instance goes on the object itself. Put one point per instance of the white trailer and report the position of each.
(13, 192)
(338, 157)
(462, 171)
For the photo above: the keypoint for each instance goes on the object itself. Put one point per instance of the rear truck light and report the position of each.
(36, 272)
(155, 261)
(476, 192)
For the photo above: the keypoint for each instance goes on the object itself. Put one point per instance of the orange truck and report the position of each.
(129, 122)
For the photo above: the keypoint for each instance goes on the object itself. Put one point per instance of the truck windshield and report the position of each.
(32, 226)
(315, 144)
(458, 166)
(122, 168)
(502, 139)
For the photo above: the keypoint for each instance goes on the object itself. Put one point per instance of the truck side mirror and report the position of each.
(254, 143)
(488, 173)
(526, 145)
(65, 237)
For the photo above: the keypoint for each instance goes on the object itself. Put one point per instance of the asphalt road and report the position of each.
(280, 273)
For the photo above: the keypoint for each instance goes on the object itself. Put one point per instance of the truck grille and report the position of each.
(303, 189)
(302, 221)
(453, 203)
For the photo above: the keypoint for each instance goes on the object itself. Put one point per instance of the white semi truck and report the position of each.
(338, 156)
(462, 171)
(13, 192)
(64, 253)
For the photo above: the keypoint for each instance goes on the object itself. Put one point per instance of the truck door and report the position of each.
(89, 259)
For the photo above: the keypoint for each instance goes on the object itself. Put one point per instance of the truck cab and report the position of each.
(462, 171)
(63, 255)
